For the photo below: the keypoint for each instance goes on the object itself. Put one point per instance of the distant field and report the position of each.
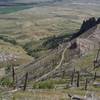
(11, 9)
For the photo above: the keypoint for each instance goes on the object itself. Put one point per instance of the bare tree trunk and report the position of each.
(97, 56)
(13, 76)
(86, 83)
(25, 84)
(78, 79)
(72, 77)
(95, 75)
(94, 64)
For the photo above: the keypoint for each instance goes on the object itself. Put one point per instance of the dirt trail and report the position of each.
(51, 72)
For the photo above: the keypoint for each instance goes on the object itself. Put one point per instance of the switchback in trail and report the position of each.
(51, 72)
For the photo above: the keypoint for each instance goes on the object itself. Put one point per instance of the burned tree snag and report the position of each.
(25, 84)
(72, 76)
(78, 78)
(98, 54)
(96, 63)
(95, 75)
(86, 83)
(13, 74)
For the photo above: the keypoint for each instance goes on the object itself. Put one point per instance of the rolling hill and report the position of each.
(37, 37)
(31, 25)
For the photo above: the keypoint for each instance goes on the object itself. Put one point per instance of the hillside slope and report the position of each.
(59, 59)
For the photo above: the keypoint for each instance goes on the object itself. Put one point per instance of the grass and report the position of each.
(86, 61)
(33, 24)
(50, 94)
(46, 95)
(8, 48)
(48, 84)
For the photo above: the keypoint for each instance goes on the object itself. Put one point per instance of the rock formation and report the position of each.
(86, 25)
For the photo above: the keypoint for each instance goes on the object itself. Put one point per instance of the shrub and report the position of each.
(8, 39)
(5, 81)
(32, 51)
(8, 69)
(43, 85)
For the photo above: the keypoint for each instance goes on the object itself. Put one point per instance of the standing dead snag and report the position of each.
(95, 76)
(78, 78)
(86, 83)
(72, 76)
(96, 64)
(25, 84)
(13, 76)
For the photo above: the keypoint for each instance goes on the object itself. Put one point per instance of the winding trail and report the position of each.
(51, 72)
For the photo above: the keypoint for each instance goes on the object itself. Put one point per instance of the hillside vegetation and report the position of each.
(38, 53)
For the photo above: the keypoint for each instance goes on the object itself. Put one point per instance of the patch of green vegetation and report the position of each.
(6, 81)
(11, 9)
(44, 85)
(34, 48)
(94, 88)
(54, 41)
(86, 61)
(44, 95)
(8, 39)
(14, 50)
(8, 69)
(48, 84)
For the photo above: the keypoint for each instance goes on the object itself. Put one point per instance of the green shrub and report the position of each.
(32, 51)
(43, 85)
(8, 39)
(8, 69)
(48, 84)
(6, 82)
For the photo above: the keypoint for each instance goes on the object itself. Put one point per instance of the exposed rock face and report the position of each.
(88, 37)
(89, 40)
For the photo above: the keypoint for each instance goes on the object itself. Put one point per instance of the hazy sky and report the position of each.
(90, 2)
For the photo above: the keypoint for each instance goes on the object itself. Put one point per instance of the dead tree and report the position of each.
(25, 83)
(86, 83)
(16, 81)
(72, 76)
(79, 50)
(13, 76)
(78, 78)
(96, 59)
(95, 76)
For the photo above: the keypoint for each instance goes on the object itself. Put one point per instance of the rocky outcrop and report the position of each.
(86, 25)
